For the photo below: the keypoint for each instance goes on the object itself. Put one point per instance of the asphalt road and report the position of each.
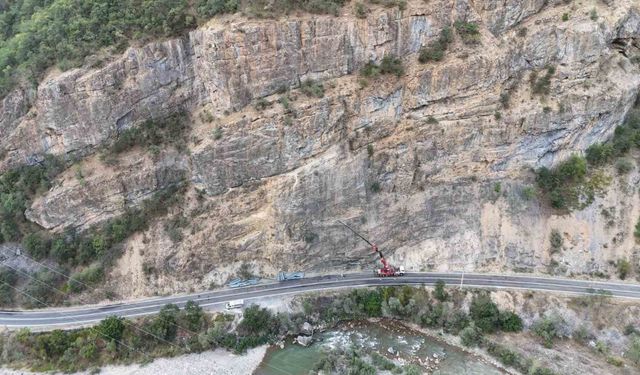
(86, 315)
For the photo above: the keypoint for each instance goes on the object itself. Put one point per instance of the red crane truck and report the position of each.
(387, 269)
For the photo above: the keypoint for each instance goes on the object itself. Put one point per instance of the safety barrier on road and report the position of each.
(236, 283)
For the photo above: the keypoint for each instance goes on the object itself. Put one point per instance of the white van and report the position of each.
(235, 304)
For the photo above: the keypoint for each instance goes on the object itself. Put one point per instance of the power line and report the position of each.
(88, 286)
(90, 328)
(75, 280)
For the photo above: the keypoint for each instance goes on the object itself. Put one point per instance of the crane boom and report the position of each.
(386, 270)
(358, 234)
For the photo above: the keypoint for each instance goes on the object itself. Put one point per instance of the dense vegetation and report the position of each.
(152, 134)
(38, 34)
(17, 188)
(91, 252)
(574, 183)
(174, 331)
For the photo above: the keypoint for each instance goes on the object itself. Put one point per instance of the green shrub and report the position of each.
(624, 165)
(62, 251)
(432, 120)
(375, 187)
(439, 292)
(548, 328)
(361, 10)
(633, 351)
(312, 88)
(52, 345)
(505, 98)
(210, 8)
(434, 316)
(370, 70)
(389, 65)
(510, 322)
(8, 278)
(258, 322)
(261, 104)
(36, 244)
(556, 241)
(111, 328)
(565, 185)
(468, 31)
(599, 153)
(565, 17)
(528, 193)
(90, 276)
(165, 324)
(471, 336)
(542, 85)
(381, 362)
(169, 131)
(458, 321)
(623, 268)
(37, 293)
(370, 150)
(435, 51)
(193, 316)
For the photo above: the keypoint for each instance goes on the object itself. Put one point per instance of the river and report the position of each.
(409, 347)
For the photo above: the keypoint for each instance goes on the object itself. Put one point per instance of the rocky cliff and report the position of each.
(432, 165)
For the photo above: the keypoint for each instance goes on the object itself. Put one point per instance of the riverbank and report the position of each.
(216, 362)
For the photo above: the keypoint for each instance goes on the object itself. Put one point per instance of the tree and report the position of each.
(52, 345)
(485, 313)
(36, 245)
(193, 315)
(165, 325)
(61, 251)
(8, 278)
(111, 328)
(257, 322)
(440, 293)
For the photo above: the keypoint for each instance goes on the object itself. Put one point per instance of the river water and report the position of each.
(410, 346)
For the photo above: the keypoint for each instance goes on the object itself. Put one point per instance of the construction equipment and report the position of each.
(387, 269)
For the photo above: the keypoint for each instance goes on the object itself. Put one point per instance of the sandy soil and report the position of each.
(218, 362)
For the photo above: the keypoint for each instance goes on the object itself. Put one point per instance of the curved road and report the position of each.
(87, 315)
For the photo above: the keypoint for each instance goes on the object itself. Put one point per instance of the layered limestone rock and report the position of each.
(412, 161)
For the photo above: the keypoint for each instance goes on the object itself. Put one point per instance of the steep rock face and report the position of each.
(79, 110)
(413, 161)
(91, 192)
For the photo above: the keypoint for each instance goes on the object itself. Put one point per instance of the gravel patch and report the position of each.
(218, 362)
